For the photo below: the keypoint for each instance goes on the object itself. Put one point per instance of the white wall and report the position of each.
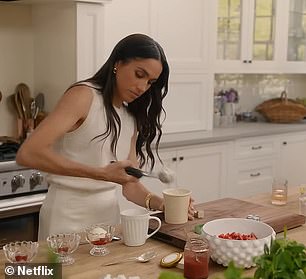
(54, 50)
(16, 59)
(37, 47)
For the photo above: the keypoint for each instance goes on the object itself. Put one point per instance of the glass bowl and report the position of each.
(20, 251)
(63, 245)
(99, 235)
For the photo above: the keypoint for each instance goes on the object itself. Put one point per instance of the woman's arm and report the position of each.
(38, 152)
(136, 192)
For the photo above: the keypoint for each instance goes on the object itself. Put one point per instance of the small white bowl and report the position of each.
(241, 252)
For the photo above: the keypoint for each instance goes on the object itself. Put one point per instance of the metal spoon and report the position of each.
(165, 175)
(143, 258)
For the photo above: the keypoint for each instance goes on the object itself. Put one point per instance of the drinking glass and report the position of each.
(279, 191)
(99, 235)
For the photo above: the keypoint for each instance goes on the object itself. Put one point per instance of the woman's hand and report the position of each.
(115, 172)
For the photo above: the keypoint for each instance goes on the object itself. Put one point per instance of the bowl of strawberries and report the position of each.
(237, 239)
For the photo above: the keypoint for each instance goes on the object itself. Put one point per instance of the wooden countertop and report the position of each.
(87, 266)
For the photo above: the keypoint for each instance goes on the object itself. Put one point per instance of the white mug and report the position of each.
(176, 205)
(135, 225)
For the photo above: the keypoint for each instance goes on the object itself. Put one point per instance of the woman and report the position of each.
(99, 127)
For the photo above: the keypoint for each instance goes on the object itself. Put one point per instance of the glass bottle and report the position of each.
(196, 257)
(302, 201)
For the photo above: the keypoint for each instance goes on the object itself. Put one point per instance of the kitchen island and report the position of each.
(87, 266)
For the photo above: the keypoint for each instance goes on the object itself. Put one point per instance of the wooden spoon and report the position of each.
(17, 105)
(20, 102)
(40, 101)
(25, 98)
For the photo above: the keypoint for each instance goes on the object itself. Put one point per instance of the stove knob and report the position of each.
(17, 182)
(36, 178)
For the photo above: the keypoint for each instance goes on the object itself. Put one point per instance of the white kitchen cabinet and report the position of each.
(189, 103)
(253, 177)
(254, 166)
(256, 147)
(203, 170)
(293, 50)
(182, 29)
(245, 35)
(292, 163)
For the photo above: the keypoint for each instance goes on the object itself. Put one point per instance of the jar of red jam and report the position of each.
(196, 258)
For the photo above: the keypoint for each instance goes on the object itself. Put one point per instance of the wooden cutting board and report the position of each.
(225, 208)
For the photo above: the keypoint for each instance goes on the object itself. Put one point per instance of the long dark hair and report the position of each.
(147, 108)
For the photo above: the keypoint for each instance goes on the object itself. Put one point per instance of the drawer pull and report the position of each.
(256, 147)
(255, 174)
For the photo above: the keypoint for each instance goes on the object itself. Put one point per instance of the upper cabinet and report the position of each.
(294, 52)
(182, 29)
(258, 36)
(246, 35)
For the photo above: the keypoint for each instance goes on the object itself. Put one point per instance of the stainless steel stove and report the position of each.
(22, 192)
(16, 180)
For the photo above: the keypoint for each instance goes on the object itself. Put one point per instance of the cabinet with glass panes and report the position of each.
(295, 36)
(246, 35)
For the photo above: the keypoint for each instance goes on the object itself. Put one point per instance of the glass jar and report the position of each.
(196, 257)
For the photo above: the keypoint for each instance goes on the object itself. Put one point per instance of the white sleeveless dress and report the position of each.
(72, 203)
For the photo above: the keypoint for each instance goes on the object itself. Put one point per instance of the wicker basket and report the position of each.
(282, 110)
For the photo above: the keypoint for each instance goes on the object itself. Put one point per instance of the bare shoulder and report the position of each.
(79, 93)
(77, 98)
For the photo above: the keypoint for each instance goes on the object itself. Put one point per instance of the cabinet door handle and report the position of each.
(256, 147)
(255, 174)
(250, 61)
(284, 143)
(181, 158)
(174, 159)
(245, 61)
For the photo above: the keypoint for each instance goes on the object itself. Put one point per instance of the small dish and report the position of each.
(63, 245)
(20, 251)
(99, 235)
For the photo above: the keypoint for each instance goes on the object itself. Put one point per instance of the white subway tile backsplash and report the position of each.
(253, 89)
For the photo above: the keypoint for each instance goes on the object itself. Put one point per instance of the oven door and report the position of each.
(19, 219)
